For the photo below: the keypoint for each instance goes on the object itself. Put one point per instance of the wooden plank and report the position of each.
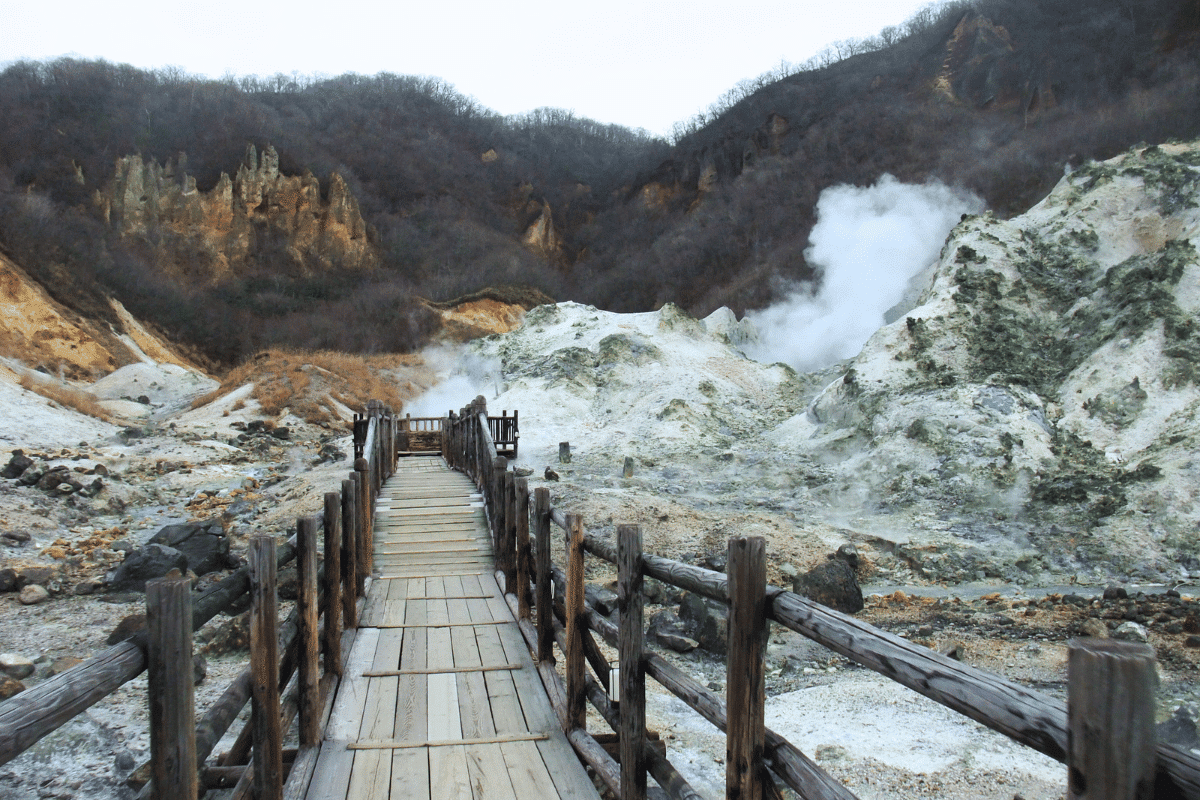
(379, 712)
(373, 609)
(568, 774)
(535, 706)
(371, 776)
(432, 625)
(413, 695)
(443, 711)
(408, 548)
(527, 771)
(394, 612)
(396, 573)
(507, 714)
(428, 671)
(489, 774)
(410, 775)
(331, 778)
(448, 776)
(441, 500)
(390, 744)
(346, 719)
(475, 713)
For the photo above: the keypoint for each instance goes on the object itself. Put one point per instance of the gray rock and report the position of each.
(1179, 730)
(707, 621)
(52, 478)
(199, 668)
(16, 538)
(16, 666)
(33, 594)
(1130, 632)
(16, 465)
(204, 543)
(8, 580)
(126, 628)
(832, 584)
(522, 472)
(551, 475)
(32, 475)
(146, 564)
(849, 554)
(1115, 592)
(1094, 628)
(675, 641)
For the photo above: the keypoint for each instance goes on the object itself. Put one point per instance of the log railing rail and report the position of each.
(552, 608)
(295, 665)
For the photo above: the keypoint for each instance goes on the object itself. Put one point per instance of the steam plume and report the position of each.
(868, 243)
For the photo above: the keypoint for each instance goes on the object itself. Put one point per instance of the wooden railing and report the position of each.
(1105, 735)
(294, 666)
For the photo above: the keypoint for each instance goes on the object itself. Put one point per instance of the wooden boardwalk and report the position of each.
(440, 697)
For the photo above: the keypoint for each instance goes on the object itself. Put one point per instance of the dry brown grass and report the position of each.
(307, 382)
(67, 396)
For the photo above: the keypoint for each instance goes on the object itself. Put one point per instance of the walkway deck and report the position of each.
(440, 698)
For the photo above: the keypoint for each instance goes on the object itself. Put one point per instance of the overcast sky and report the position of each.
(644, 64)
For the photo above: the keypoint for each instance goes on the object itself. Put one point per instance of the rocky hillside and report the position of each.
(232, 229)
(1032, 418)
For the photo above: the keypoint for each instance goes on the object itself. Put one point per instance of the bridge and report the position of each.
(436, 651)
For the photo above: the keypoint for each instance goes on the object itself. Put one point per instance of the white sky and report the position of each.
(642, 64)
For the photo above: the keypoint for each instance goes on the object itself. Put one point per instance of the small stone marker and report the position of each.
(628, 471)
(564, 452)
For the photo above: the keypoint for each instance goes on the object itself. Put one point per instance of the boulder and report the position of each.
(832, 584)
(15, 666)
(707, 621)
(33, 594)
(126, 628)
(16, 465)
(146, 564)
(8, 580)
(16, 538)
(204, 543)
(1130, 632)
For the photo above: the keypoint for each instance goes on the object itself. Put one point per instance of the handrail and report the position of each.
(1022, 714)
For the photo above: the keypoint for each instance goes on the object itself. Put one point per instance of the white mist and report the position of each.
(868, 243)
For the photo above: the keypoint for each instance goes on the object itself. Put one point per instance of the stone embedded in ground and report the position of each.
(1115, 592)
(33, 594)
(522, 472)
(8, 580)
(9, 687)
(849, 554)
(127, 628)
(226, 636)
(551, 475)
(675, 641)
(61, 665)
(16, 538)
(16, 666)
(1093, 628)
(602, 599)
(1130, 632)
(204, 543)
(16, 465)
(199, 668)
(146, 564)
(832, 584)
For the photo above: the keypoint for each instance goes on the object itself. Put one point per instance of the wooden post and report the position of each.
(264, 662)
(744, 676)
(362, 514)
(1111, 737)
(522, 515)
(545, 600)
(508, 497)
(496, 491)
(349, 553)
(576, 677)
(632, 682)
(333, 583)
(309, 649)
(172, 688)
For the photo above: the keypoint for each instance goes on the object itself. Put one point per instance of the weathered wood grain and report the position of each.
(171, 690)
